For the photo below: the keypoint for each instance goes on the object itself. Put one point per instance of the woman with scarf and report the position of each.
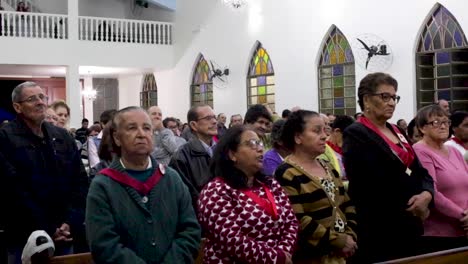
(387, 184)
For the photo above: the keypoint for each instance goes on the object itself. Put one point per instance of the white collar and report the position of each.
(150, 163)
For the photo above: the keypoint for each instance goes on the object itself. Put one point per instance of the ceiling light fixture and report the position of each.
(235, 4)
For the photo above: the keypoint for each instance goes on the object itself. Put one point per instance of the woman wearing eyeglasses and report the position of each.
(387, 184)
(245, 216)
(317, 195)
(447, 226)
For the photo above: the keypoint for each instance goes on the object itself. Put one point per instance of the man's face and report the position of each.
(236, 120)
(206, 125)
(222, 118)
(134, 133)
(51, 117)
(173, 127)
(32, 104)
(261, 126)
(84, 125)
(156, 116)
(445, 105)
(461, 131)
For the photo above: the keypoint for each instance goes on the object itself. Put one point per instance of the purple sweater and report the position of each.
(271, 160)
(450, 174)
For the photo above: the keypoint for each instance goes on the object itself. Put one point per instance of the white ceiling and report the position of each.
(10, 70)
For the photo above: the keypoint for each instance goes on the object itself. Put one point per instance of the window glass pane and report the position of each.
(338, 70)
(443, 83)
(427, 96)
(443, 70)
(262, 99)
(349, 81)
(338, 81)
(325, 83)
(349, 91)
(339, 103)
(261, 80)
(196, 89)
(459, 69)
(271, 89)
(426, 72)
(261, 90)
(253, 91)
(270, 99)
(338, 92)
(350, 111)
(444, 94)
(442, 57)
(349, 69)
(253, 100)
(427, 84)
(350, 102)
(460, 81)
(460, 94)
(326, 93)
(339, 112)
(327, 103)
(270, 79)
(253, 82)
(325, 72)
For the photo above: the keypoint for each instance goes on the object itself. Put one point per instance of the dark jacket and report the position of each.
(380, 188)
(192, 162)
(121, 228)
(44, 180)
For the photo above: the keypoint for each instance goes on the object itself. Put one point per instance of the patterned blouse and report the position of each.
(239, 230)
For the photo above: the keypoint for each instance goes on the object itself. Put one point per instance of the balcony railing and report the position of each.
(52, 26)
(121, 30)
(33, 25)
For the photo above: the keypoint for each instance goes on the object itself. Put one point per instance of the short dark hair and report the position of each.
(411, 126)
(222, 166)
(95, 127)
(255, 112)
(342, 122)
(399, 121)
(424, 113)
(84, 120)
(286, 113)
(192, 114)
(169, 119)
(457, 118)
(276, 132)
(107, 116)
(356, 115)
(369, 84)
(106, 147)
(295, 125)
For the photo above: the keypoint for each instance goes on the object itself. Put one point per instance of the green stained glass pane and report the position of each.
(325, 72)
(343, 43)
(443, 70)
(270, 99)
(349, 69)
(253, 82)
(262, 99)
(330, 47)
(325, 83)
(253, 100)
(350, 102)
(270, 79)
(338, 81)
(256, 60)
(261, 90)
(349, 92)
(253, 91)
(339, 111)
(271, 89)
(266, 58)
(338, 92)
(326, 93)
(326, 103)
(349, 80)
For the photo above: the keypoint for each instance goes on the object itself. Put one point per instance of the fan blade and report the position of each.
(212, 67)
(364, 44)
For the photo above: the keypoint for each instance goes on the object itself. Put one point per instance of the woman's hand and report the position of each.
(288, 258)
(418, 205)
(349, 248)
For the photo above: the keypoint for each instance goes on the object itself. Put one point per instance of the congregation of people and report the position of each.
(303, 187)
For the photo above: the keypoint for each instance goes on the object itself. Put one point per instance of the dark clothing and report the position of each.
(81, 135)
(221, 130)
(380, 188)
(192, 162)
(43, 179)
(124, 226)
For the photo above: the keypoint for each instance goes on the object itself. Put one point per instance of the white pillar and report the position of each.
(73, 7)
(88, 104)
(73, 95)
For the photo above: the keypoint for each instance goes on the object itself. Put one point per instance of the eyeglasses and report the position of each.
(35, 99)
(207, 118)
(253, 144)
(386, 97)
(437, 123)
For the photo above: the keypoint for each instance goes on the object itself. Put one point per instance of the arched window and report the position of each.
(337, 89)
(442, 60)
(201, 90)
(261, 79)
(149, 92)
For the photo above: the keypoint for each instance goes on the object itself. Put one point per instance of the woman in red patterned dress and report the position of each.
(245, 215)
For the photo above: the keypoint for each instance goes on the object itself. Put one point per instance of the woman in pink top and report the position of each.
(447, 225)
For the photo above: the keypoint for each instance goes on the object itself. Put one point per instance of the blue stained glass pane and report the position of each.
(443, 57)
(202, 88)
(427, 42)
(448, 40)
(338, 70)
(458, 38)
(326, 61)
(443, 94)
(349, 55)
(261, 80)
(339, 102)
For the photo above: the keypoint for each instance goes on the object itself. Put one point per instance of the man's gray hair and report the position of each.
(18, 91)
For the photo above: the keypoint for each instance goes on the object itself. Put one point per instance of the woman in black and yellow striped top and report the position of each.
(317, 195)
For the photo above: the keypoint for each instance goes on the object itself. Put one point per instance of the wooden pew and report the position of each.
(84, 258)
(451, 256)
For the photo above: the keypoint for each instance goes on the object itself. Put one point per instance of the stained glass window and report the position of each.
(442, 61)
(261, 79)
(149, 92)
(202, 86)
(337, 90)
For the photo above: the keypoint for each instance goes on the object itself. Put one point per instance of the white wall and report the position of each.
(124, 9)
(129, 90)
(292, 32)
(52, 7)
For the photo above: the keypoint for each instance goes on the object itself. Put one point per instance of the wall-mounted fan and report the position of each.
(218, 74)
(372, 53)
